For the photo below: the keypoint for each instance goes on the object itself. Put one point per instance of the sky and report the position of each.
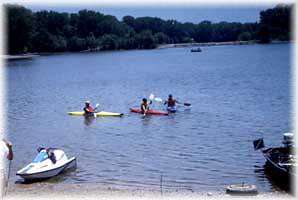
(195, 14)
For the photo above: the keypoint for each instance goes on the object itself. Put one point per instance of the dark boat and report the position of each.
(279, 160)
(196, 50)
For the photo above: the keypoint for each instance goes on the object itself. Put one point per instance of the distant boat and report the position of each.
(196, 50)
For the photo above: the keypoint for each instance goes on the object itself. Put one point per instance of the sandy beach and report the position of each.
(195, 44)
(96, 191)
(19, 56)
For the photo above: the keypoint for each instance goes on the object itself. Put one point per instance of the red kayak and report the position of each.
(150, 112)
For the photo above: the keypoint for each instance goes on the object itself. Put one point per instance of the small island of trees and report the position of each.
(50, 31)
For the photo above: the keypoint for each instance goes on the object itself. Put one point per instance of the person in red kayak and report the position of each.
(171, 103)
(88, 109)
(145, 106)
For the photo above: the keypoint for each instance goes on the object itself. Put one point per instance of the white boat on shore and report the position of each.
(19, 57)
(48, 163)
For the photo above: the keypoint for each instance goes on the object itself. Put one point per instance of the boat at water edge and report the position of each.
(280, 160)
(48, 163)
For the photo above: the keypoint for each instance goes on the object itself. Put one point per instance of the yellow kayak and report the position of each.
(98, 114)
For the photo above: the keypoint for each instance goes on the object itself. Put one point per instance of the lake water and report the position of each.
(238, 93)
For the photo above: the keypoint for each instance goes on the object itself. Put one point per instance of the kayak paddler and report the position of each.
(88, 109)
(171, 102)
(145, 106)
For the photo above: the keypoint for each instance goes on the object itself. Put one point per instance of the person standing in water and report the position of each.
(6, 154)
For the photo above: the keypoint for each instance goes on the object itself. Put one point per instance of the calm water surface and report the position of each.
(238, 93)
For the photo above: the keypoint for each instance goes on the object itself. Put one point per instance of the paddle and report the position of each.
(96, 106)
(153, 98)
(158, 99)
(187, 104)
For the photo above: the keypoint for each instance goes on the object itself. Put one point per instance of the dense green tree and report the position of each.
(20, 28)
(145, 40)
(88, 21)
(148, 23)
(275, 23)
(92, 42)
(109, 42)
(128, 43)
(50, 31)
(162, 38)
(244, 36)
(264, 34)
(44, 41)
(76, 44)
(203, 32)
(172, 28)
(224, 31)
(129, 20)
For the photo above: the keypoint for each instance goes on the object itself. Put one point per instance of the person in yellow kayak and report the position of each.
(145, 106)
(88, 109)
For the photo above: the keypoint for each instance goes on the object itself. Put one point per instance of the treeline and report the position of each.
(50, 31)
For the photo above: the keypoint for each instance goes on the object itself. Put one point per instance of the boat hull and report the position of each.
(273, 165)
(48, 173)
(149, 112)
(98, 114)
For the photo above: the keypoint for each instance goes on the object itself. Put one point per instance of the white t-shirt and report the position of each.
(3, 154)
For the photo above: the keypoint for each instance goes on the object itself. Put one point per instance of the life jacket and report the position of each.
(89, 109)
(171, 102)
(146, 105)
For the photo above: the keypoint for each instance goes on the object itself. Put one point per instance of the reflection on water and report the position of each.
(88, 120)
(277, 183)
(145, 119)
(238, 93)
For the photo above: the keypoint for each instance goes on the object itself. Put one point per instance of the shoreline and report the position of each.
(161, 46)
(20, 56)
(96, 191)
(198, 44)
